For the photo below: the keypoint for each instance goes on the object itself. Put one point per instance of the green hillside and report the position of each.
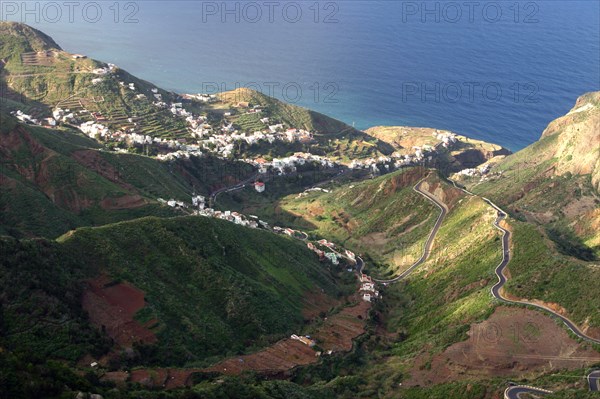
(212, 285)
(212, 288)
(54, 180)
(37, 76)
(382, 218)
(100, 281)
(332, 137)
(554, 182)
(549, 189)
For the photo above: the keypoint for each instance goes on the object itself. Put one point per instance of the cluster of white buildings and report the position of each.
(179, 148)
(289, 164)
(95, 130)
(475, 172)
(397, 160)
(305, 339)
(447, 138)
(332, 255)
(232, 216)
(200, 209)
(371, 163)
(26, 118)
(224, 143)
(204, 98)
(367, 288)
(105, 70)
(419, 154)
(23, 117)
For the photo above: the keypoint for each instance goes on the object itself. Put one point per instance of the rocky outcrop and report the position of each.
(577, 146)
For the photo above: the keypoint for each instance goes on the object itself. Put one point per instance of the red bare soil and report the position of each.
(448, 195)
(40, 172)
(281, 356)
(124, 202)
(335, 334)
(113, 306)
(339, 330)
(511, 343)
(315, 302)
(93, 160)
(402, 180)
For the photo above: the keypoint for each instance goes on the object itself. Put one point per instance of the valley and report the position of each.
(164, 245)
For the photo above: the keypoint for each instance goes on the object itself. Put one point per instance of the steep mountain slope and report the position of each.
(19, 38)
(555, 181)
(383, 218)
(55, 180)
(549, 188)
(332, 137)
(156, 291)
(210, 284)
(578, 148)
(36, 76)
(431, 326)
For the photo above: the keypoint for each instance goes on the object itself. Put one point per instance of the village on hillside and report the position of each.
(201, 136)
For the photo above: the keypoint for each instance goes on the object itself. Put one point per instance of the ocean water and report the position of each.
(494, 70)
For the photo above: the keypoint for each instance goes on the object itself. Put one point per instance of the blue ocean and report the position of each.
(494, 70)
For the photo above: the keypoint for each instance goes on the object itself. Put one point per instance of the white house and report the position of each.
(259, 186)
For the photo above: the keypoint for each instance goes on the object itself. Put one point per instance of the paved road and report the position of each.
(301, 235)
(428, 243)
(497, 288)
(516, 391)
(594, 380)
(213, 196)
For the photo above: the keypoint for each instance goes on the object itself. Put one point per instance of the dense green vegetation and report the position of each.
(383, 218)
(215, 288)
(42, 325)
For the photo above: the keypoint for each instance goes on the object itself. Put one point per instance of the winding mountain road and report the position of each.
(427, 245)
(594, 380)
(518, 390)
(506, 255)
(515, 391)
(213, 196)
(512, 392)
